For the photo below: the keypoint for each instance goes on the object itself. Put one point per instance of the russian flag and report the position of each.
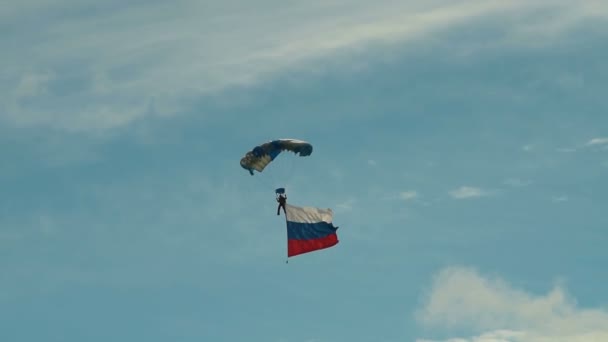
(309, 229)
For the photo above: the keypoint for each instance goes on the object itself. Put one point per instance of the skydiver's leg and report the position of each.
(279, 210)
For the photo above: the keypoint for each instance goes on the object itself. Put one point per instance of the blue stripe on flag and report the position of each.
(308, 231)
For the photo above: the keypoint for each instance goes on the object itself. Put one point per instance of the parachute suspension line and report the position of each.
(285, 177)
(281, 174)
(261, 156)
(264, 182)
(292, 164)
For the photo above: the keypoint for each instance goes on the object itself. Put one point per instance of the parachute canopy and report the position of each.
(260, 156)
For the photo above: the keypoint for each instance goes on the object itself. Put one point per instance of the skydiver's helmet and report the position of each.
(279, 192)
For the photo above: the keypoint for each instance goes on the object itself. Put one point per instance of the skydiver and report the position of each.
(282, 199)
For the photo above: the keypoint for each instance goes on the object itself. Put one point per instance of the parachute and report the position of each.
(260, 156)
(308, 228)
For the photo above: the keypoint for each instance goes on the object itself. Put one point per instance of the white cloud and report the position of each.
(527, 148)
(33, 84)
(597, 141)
(372, 162)
(80, 71)
(493, 336)
(465, 192)
(346, 205)
(493, 310)
(408, 195)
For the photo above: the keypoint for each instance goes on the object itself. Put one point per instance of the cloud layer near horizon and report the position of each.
(494, 310)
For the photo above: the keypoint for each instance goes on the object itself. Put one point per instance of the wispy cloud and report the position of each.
(466, 192)
(87, 72)
(597, 141)
(493, 310)
(493, 336)
(408, 195)
(560, 198)
(346, 205)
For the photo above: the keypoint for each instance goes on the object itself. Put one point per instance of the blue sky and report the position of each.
(463, 147)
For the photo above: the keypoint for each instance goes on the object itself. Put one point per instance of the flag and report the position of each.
(309, 229)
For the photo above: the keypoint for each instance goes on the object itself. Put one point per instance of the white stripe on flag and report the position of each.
(308, 214)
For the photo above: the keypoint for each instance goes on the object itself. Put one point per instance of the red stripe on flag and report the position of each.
(295, 247)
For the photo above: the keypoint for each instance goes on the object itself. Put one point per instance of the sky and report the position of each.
(462, 145)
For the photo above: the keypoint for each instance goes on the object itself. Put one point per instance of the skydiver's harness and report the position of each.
(281, 198)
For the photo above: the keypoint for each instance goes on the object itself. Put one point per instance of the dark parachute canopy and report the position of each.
(262, 155)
